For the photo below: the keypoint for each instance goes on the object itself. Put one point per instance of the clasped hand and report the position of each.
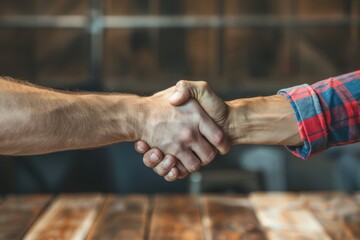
(181, 135)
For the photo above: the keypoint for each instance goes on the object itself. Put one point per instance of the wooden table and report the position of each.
(327, 215)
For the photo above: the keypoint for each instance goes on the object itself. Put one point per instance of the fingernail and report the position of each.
(171, 174)
(175, 96)
(154, 158)
(139, 148)
(167, 163)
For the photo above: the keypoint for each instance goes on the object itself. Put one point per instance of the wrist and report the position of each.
(141, 110)
(263, 120)
(236, 123)
(149, 113)
(119, 117)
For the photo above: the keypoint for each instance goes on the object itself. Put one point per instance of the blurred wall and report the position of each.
(243, 48)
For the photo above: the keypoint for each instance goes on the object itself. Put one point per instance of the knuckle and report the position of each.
(210, 158)
(204, 84)
(187, 135)
(194, 168)
(227, 148)
(219, 137)
(171, 158)
(181, 83)
(203, 87)
(182, 169)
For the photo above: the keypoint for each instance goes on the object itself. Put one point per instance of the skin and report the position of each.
(260, 120)
(36, 120)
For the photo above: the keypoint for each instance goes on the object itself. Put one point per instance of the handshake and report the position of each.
(189, 124)
(182, 128)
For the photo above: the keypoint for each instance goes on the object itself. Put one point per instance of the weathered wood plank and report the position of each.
(122, 217)
(353, 221)
(69, 217)
(337, 212)
(230, 218)
(285, 216)
(175, 217)
(17, 214)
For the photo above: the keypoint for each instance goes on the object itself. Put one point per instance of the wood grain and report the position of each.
(285, 216)
(353, 221)
(122, 217)
(175, 217)
(230, 218)
(69, 217)
(337, 212)
(305, 216)
(17, 214)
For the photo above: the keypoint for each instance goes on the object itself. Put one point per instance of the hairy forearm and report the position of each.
(35, 120)
(263, 120)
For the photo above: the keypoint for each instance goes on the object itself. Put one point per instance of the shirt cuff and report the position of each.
(310, 118)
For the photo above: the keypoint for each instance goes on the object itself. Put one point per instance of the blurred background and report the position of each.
(242, 48)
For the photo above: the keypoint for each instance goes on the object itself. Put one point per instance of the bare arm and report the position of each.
(36, 120)
(262, 120)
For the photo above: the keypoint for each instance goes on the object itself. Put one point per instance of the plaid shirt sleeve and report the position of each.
(327, 113)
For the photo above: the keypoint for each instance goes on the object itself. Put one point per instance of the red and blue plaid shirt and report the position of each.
(327, 113)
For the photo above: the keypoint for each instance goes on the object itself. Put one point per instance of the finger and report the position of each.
(200, 90)
(182, 170)
(213, 105)
(164, 167)
(141, 146)
(184, 175)
(181, 94)
(153, 157)
(172, 175)
(189, 160)
(204, 151)
(212, 132)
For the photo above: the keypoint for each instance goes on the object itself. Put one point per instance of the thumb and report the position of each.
(212, 104)
(201, 92)
(181, 95)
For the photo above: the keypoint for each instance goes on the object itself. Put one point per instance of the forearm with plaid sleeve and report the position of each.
(327, 113)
